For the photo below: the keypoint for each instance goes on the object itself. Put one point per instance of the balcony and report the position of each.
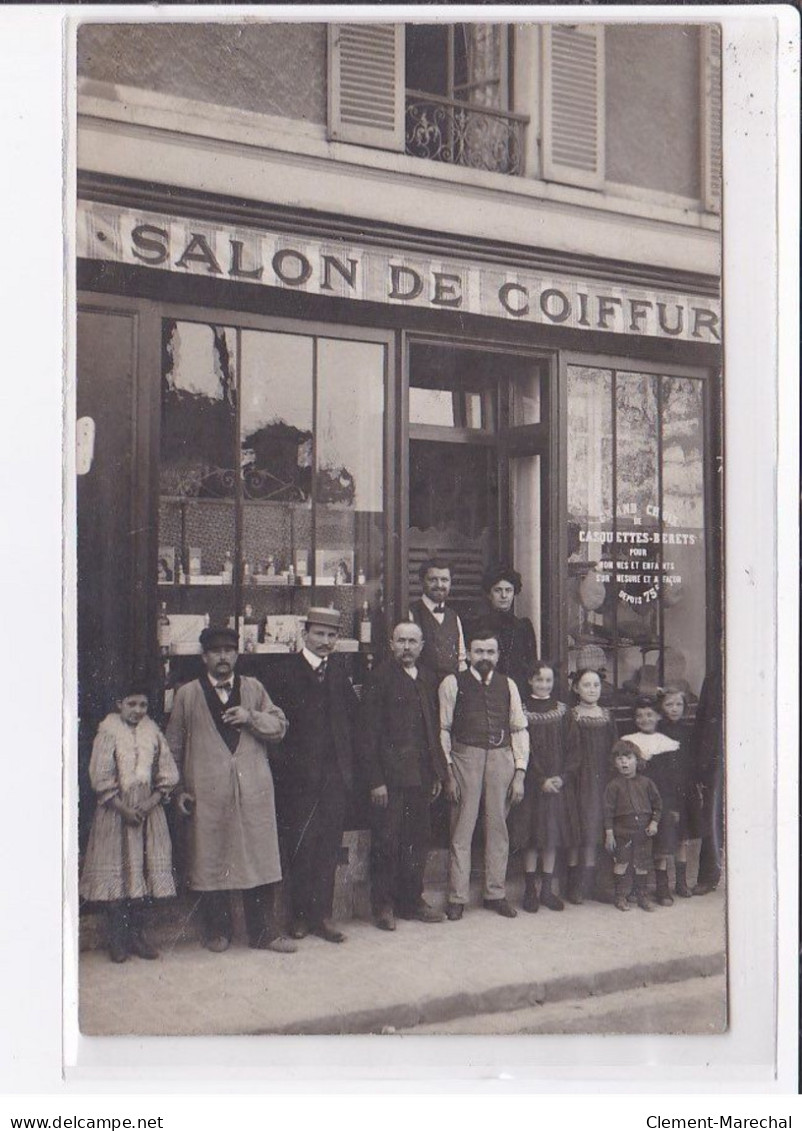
(465, 134)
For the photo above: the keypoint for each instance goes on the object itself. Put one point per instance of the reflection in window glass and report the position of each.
(525, 505)
(526, 399)
(636, 584)
(591, 604)
(349, 478)
(431, 406)
(637, 557)
(683, 586)
(350, 417)
(198, 410)
(276, 416)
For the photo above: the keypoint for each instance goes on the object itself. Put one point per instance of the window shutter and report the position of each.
(573, 104)
(711, 117)
(366, 84)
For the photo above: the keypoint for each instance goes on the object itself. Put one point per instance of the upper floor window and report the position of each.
(458, 97)
(632, 108)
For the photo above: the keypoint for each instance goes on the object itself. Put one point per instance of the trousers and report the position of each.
(258, 905)
(313, 840)
(399, 844)
(480, 774)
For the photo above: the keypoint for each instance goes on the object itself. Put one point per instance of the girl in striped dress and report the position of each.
(129, 855)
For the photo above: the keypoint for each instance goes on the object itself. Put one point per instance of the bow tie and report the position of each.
(227, 687)
(439, 609)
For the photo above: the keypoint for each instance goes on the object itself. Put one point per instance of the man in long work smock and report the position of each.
(313, 689)
(219, 732)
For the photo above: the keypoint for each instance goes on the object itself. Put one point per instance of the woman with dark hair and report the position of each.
(516, 635)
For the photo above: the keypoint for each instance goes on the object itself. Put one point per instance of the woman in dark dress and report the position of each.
(516, 635)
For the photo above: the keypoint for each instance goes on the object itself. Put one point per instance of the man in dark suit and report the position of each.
(404, 767)
(316, 774)
(443, 639)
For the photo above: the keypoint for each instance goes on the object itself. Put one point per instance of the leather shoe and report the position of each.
(454, 912)
(704, 889)
(328, 932)
(140, 946)
(218, 944)
(299, 929)
(385, 920)
(501, 907)
(424, 913)
(281, 945)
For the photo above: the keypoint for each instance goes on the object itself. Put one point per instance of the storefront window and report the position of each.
(636, 555)
(271, 482)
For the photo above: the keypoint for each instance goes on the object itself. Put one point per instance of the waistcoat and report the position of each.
(440, 641)
(482, 713)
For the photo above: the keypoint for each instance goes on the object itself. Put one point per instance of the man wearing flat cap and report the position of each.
(220, 729)
(315, 780)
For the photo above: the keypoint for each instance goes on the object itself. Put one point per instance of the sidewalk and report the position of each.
(420, 975)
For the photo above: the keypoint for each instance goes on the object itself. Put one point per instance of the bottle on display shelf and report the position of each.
(227, 572)
(365, 626)
(246, 573)
(291, 574)
(165, 634)
(271, 566)
(360, 577)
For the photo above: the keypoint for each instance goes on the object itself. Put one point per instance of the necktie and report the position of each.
(320, 674)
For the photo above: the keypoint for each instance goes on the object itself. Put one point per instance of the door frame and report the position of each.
(536, 439)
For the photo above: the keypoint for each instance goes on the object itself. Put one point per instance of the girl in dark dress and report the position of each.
(590, 740)
(547, 818)
(672, 706)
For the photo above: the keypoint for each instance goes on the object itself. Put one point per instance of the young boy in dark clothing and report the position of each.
(632, 811)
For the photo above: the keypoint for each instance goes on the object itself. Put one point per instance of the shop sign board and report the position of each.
(367, 273)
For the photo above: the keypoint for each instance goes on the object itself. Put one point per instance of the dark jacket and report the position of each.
(391, 707)
(321, 720)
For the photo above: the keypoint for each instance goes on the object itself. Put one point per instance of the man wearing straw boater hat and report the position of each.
(315, 693)
(220, 729)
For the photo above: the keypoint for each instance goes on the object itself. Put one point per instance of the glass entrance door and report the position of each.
(476, 444)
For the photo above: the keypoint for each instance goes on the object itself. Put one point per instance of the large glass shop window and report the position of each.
(636, 547)
(271, 483)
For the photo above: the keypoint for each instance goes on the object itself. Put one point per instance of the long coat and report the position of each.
(233, 838)
(387, 756)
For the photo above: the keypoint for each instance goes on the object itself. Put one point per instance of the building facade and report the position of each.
(351, 295)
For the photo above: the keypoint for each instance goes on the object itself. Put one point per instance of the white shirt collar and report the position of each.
(311, 659)
(430, 604)
(213, 680)
(478, 675)
(411, 672)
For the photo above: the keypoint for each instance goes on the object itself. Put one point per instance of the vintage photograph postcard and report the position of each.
(400, 523)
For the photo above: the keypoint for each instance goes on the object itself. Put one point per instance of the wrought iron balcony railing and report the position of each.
(463, 133)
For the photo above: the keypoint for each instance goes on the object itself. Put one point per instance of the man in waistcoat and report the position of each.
(403, 765)
(315, 777)
(443, 639)
(483, 732)
(219, 732)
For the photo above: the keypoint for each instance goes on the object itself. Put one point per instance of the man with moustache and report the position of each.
(403, 765)
(483, 732)
(219, 732)
(443, 640)
(315, 778)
